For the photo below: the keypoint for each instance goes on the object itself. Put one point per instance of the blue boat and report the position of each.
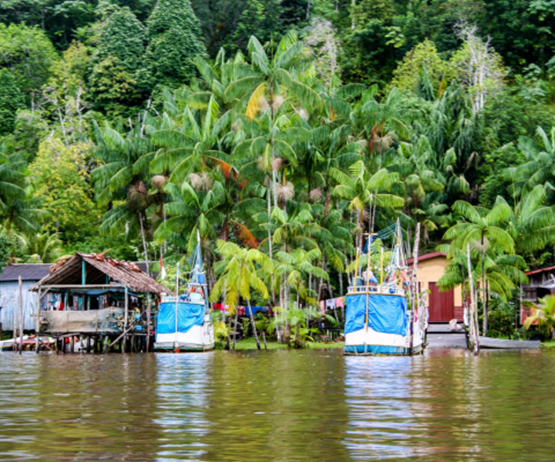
(377, 319)
(184, 322)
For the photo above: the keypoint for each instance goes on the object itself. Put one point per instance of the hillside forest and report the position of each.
(282, 131)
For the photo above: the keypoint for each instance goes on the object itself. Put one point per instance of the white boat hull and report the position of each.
(197, 338)
(367, 341)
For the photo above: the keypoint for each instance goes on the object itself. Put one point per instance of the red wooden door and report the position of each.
(442, 304)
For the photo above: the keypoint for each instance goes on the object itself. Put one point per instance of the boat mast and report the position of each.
(176, 300)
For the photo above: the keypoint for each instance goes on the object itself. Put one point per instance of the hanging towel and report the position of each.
(340, 302)
(330, 304)
(322, 307)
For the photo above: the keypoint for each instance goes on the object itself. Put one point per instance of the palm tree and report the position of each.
(330, 148)
(543, 315)
(187, 140)
(294, 268)
(240, 276)
(539, 167)
(42, 246)
(502, 272)
(364, 189)
(420, 185)
(275, 80)
(197, 204)
(123, 177)
(531, 223)
(15, 210)
(482, 229)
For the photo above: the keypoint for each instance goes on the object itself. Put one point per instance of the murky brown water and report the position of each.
(277, 406)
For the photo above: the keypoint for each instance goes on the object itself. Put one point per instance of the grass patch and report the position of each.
(326, 346)
(550, 344)
(250, 344)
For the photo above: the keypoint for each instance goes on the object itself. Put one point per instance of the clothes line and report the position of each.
(332, 304)
(242, 310)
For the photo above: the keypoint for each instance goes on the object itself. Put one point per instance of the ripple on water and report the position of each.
(277, 405)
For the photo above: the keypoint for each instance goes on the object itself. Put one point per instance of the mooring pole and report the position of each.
(14, 345)
(37, 324)
(148, 323)
(124, 343)
(20, 315)
(414, 287)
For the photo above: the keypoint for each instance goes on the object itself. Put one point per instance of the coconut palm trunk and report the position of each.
(484, 293)
(251, 316)
(140, 216)
(228, 345)
(235, 326)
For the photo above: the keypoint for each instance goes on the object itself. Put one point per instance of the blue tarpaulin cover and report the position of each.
(386, 313)
(189, 315)
(255, 309)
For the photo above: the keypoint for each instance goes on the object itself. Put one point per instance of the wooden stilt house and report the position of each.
(99, 304)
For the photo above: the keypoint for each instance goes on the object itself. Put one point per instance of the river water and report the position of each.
(278, 406)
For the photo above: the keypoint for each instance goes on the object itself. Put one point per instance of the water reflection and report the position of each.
(182, 397)
(277, 406)
(378, 392)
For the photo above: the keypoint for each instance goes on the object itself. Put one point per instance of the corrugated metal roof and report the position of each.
(27, 271)
(426, 256)
(541, 270)
(97, 269)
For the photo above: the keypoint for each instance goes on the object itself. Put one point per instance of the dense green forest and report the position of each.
(288, 126)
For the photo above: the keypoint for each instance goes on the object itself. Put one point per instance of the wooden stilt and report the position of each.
(147, 323)
(123, 345)
(37, 324)
(14, 346)
(414, 287)
(72, 344)
(20, 315)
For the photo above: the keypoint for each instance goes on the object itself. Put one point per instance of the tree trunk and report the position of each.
(228, 343)
(139, 214)
(235, 326)
(484, 295)
(328, 202)
(370, 225)
(253, 325)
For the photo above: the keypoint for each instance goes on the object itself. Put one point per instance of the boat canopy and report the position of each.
(189, 315)
(386, 313)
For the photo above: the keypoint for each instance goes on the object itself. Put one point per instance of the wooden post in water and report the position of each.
(37, 324)
(124, 342)
(14, 345)
(148, 323)
(20, 315)
(414, 286)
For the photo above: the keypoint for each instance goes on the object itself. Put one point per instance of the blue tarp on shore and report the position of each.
(189, 315)
(386, 313)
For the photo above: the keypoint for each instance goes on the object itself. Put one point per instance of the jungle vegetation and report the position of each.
(281, 130)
